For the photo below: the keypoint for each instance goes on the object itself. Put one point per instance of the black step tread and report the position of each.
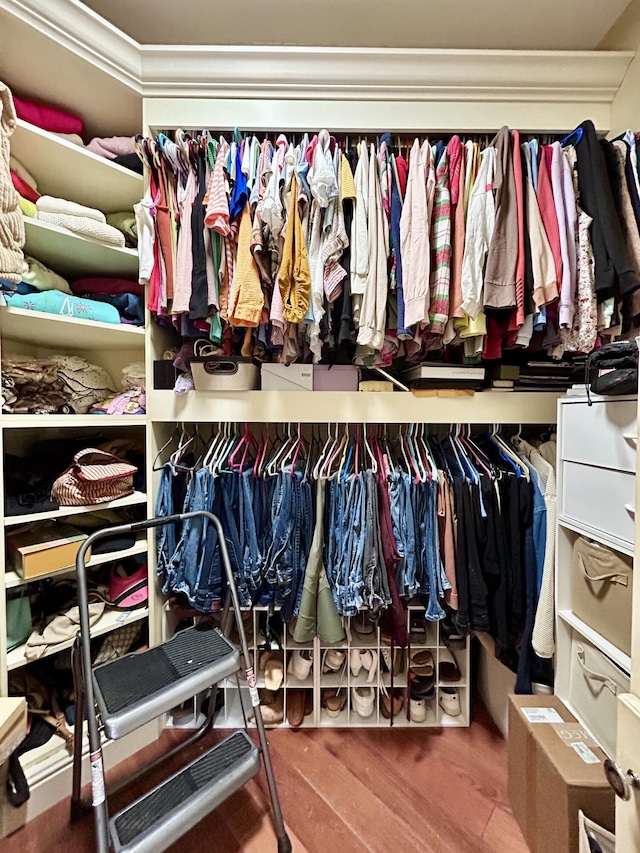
(205, 772)
(134, 677)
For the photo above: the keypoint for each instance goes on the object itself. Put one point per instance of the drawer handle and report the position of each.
(596, 676)
(614, 577)
(631, 437)
(630, 508)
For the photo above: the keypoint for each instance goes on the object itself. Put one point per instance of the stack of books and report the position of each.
(534, 376)
(437, 375)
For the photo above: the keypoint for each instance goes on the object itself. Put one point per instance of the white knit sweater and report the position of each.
(11, 223)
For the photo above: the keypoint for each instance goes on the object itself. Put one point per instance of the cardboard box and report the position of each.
(13, 725)
(549, 779)
(39, 548)
(286, 377)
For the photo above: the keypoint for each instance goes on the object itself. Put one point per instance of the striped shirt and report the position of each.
(440, 249)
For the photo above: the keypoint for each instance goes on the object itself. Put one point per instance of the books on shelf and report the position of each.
(441, 375)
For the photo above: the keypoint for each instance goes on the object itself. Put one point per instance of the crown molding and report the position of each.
(317, 73)
(371, 74)
(78, 29)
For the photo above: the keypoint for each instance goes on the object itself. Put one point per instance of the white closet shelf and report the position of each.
(110, 620)
(323, 406)
(75, 257)
(611, 651)
(597, 535)
(136, 499)
(8, 421)
(65, 170)
(67, 333)
(12, 578)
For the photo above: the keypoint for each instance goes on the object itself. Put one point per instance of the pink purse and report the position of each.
(95, 477)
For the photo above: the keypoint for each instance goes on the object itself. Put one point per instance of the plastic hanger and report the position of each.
(577, 134)
(172, 437)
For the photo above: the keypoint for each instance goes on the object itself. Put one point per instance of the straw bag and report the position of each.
(95, 477)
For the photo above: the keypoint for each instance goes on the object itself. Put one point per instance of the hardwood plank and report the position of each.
(503, 833)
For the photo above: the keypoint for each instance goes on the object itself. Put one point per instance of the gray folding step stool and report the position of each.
(124, 694)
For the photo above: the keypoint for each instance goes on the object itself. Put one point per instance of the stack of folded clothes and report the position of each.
(87, 222)
(127, 297)
(132, 400)
(119, 149)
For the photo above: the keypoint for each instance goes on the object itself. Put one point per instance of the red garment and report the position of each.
(454, 151)
(112, 286)
(24, 189)
(48, 117)
(548, 213)
(517, 173)
(401, 168)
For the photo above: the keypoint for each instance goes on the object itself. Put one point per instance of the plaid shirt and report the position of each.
(440, 249)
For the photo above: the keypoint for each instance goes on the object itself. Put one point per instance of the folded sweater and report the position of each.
(112, 146)
(55, 302)
(84, 227)
(50, 204)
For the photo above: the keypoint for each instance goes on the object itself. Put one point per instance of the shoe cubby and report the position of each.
(351, 661)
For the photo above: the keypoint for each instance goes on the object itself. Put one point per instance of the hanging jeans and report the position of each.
(171, 494)
(404, 532)
(229, 515)
(374, 571)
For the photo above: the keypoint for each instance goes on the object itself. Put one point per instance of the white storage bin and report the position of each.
(604, 434)
(600, 498)
(224, 373)
(595, 682)
(286, 377)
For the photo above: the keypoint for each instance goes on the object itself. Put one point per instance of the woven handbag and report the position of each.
(95, 477)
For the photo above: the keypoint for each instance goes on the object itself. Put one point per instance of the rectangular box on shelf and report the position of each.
(13, 724)
(335, 377)
(164, 375)
(555, 770)
(225, 373)
(594, 685)
(602, 590)
(42, 547)
(286, 377)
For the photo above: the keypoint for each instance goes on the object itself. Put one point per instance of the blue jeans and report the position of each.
(404, 532)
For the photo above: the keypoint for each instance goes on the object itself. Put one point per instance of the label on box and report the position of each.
(542, 715)
(572, 733)
(585, 753)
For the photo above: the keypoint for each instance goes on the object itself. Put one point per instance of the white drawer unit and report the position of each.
(604, 434)
(599, 498)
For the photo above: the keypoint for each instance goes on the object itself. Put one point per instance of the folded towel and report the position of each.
(112, 146)
(85, 227)
(42, 278)
(50, 204)
(17, 167)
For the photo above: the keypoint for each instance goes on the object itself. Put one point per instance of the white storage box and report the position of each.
(595, 682)
(224, 373)
(335, 377)
(287, 377)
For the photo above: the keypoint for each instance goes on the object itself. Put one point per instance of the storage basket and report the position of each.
(225, 373)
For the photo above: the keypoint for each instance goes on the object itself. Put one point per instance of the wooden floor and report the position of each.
(344, 791)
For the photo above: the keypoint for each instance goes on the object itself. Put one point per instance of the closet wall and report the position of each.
(122, 87)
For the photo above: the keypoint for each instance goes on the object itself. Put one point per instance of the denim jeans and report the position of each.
(404, 532)
(374, 571)
(229, 515)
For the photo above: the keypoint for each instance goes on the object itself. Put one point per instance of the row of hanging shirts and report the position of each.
(381, 246)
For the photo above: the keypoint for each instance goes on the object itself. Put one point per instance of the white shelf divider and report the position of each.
(67, 333)
(136, 499)
(606, 646)
(69, 171)
(75, 257)
(8, 421)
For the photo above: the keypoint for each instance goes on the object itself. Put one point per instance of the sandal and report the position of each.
(421, 663)
(391, 702)
(334, 700)
(448, 668)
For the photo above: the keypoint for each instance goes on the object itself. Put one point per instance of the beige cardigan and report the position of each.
(11, 222)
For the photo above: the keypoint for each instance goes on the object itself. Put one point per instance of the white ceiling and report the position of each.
(488, 24)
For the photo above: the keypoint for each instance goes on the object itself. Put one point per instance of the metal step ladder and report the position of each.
(125, 694)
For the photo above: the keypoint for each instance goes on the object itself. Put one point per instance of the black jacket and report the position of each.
(614, 272)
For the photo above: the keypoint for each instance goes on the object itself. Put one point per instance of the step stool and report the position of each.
(122, 695)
